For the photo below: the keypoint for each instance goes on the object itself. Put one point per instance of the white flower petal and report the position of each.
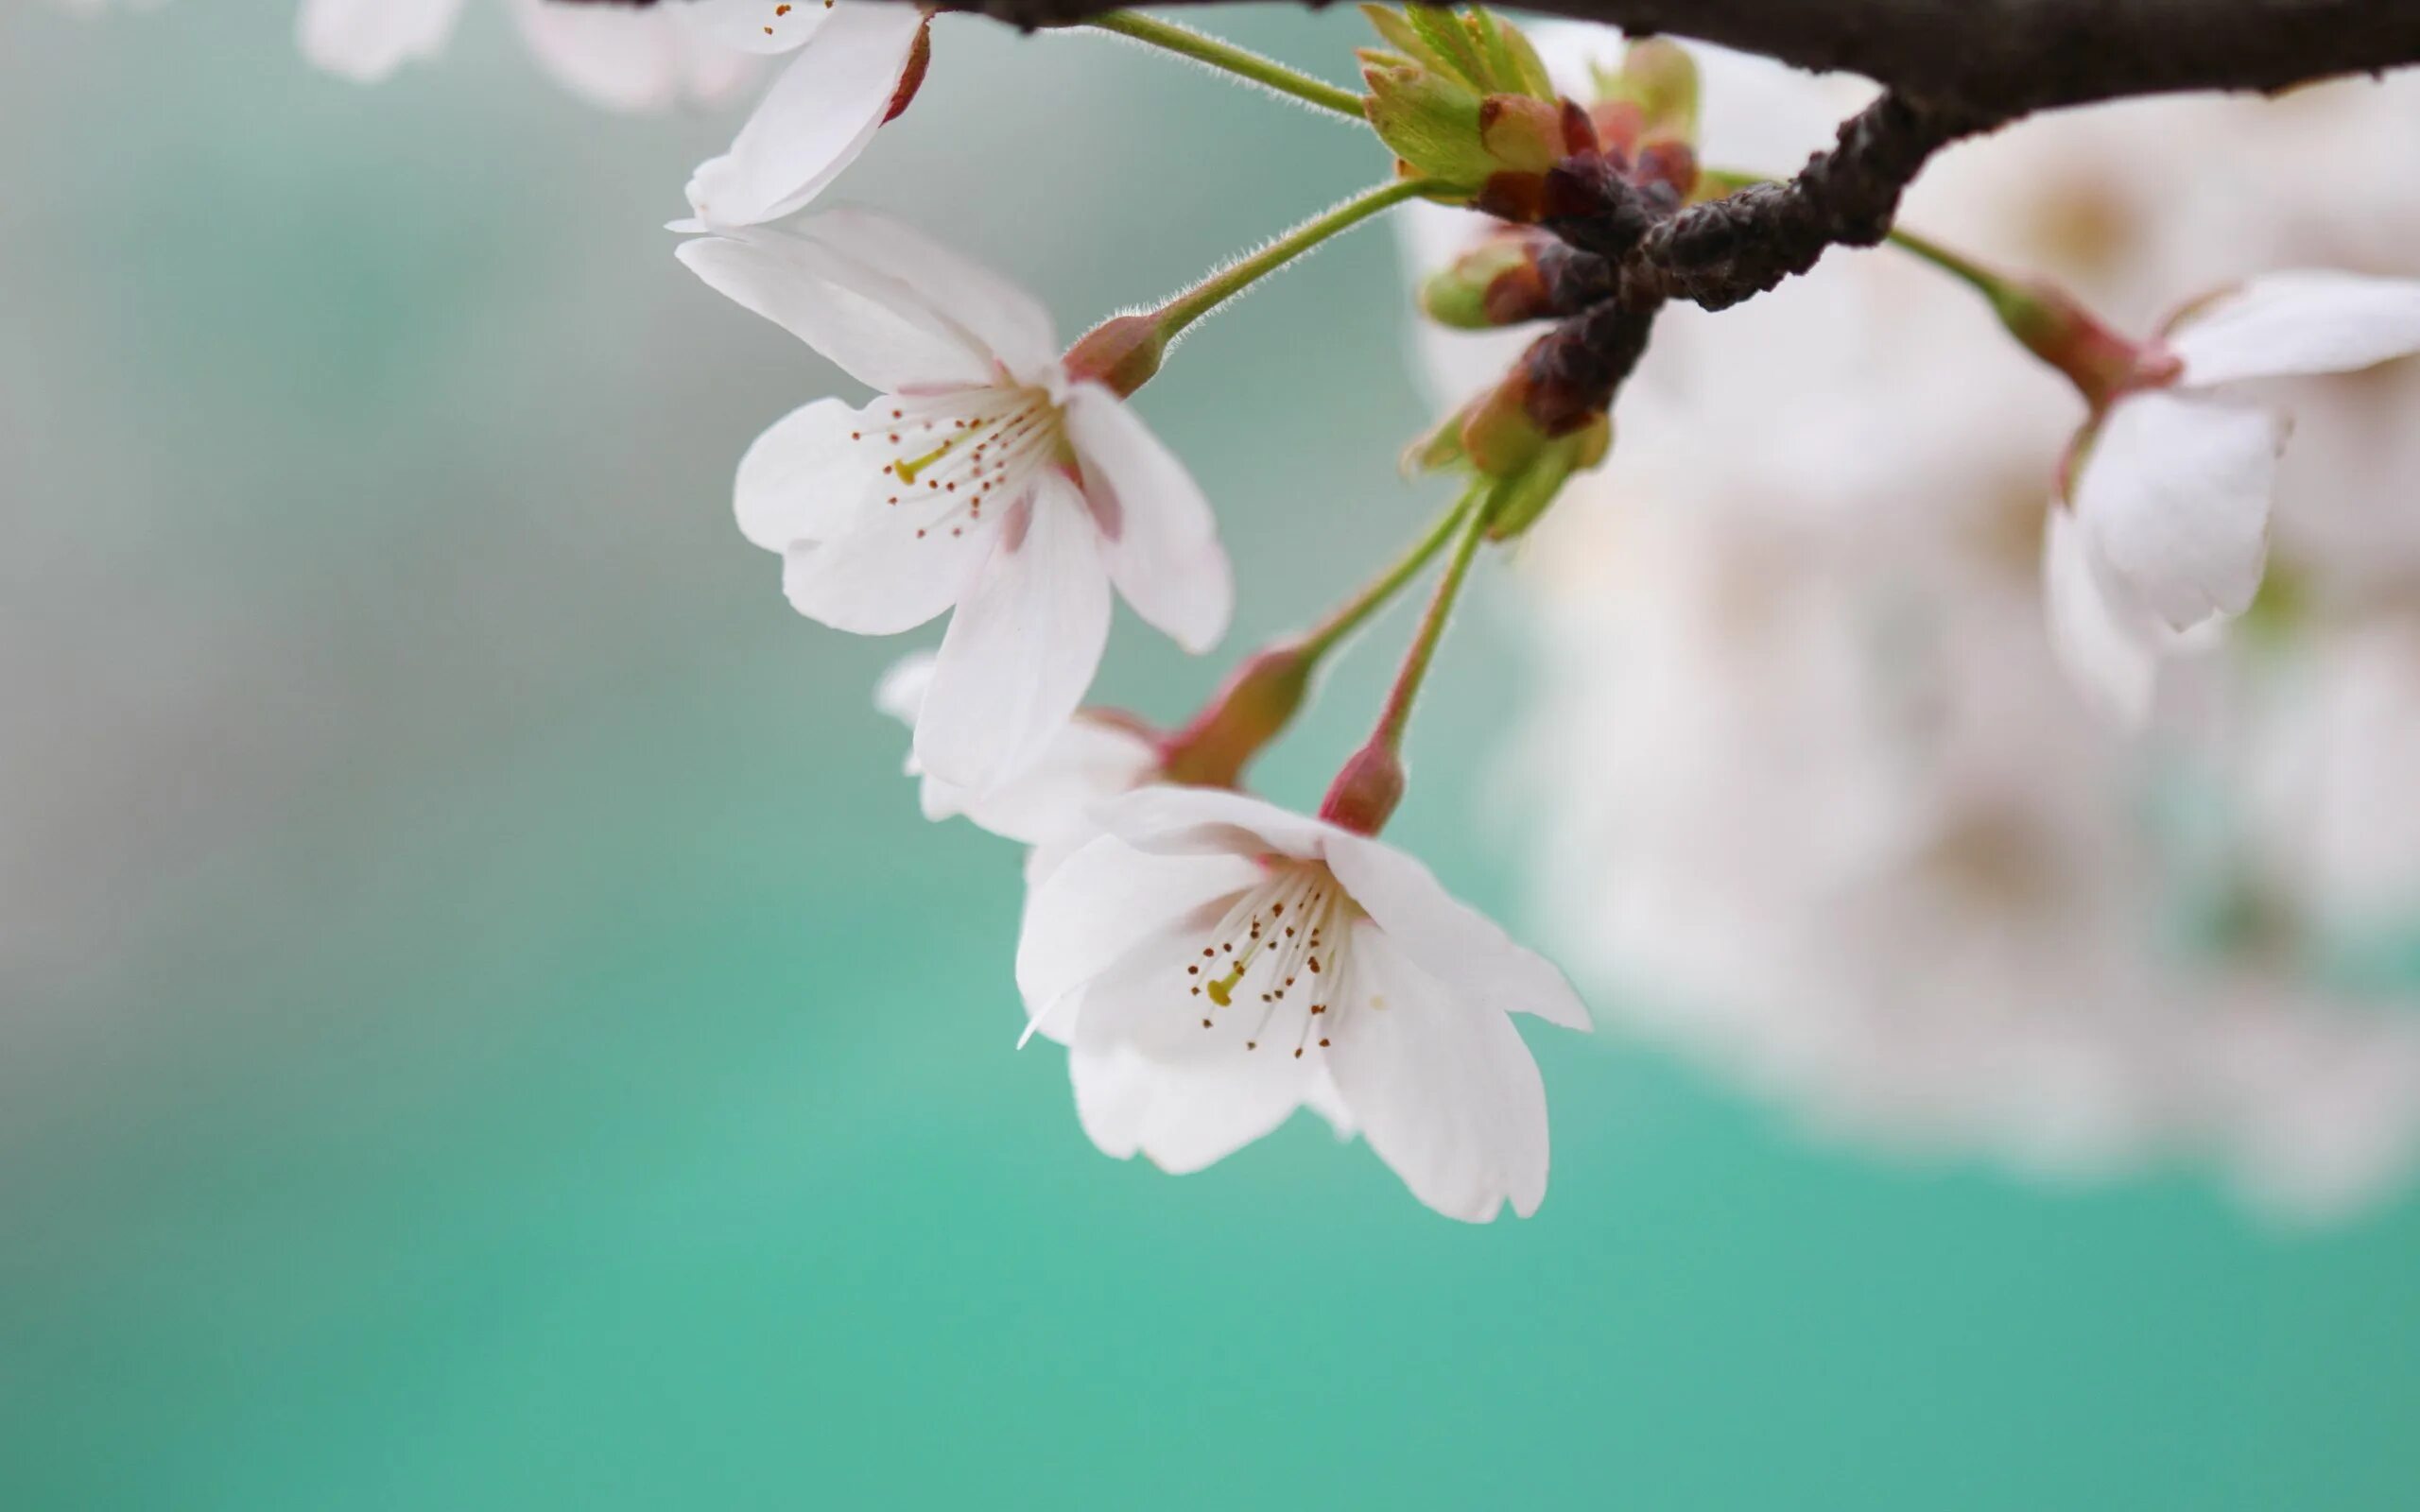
(817, 118)
(1024, 644)
(1442, 1088)
(1162, 539)
(900, 693)
(995, 315)
(873, 328)
(624, 58)
(2305, 321)
(804, 478)
(1322, 1098)
(1454, 942)
(2175, 497)
(2108, 650)
(878, 568)
(1169, 820)
(756, 26)
(1053, 802)
(1086, 765)
(1186, 1116)
(366, 41)
(1103, 901)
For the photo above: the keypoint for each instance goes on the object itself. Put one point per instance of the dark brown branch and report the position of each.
(2000, 57)
(1725, 251)
(1631, 242)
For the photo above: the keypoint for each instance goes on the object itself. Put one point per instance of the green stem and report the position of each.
(1983, 279)
(1237, 276)
(1228, 58)
(1470, 518)
(1374, 595)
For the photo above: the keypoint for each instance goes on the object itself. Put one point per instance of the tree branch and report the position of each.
(2000, 57)
(1721, 252)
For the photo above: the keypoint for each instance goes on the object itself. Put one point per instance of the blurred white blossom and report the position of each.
(2169, 529)
(619, 56)
(1826, 810)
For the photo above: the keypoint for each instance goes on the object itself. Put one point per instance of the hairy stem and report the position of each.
(1228, 58)
(1376, 594)
(1240, 274)
(1468, 527)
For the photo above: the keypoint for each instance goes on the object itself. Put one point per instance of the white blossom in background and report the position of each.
(983, 481)
(1052, 806)
(852, 58)
(1215, 962)
(1828, 812)
(2170, 528)
(620, 57)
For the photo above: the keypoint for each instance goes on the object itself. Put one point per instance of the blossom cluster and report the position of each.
(1930, 733)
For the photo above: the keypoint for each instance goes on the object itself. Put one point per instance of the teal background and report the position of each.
(485, 1025)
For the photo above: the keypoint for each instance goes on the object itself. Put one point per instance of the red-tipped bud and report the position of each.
(1256, 702)
(1499, 437)
(1521, 135)
(1497, 282)
(1366, 791)
(911, 79)
(1122, 353)
(1652, 97)
(1667, 162)
(2056, 328)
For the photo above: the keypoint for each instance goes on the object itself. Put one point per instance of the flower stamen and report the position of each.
(1275, 936)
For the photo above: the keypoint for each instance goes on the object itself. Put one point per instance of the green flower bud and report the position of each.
(1518, 501)
(1485, 288)
(1461, 98)
(1428, 120)
(1496, 439)
(1652, 98)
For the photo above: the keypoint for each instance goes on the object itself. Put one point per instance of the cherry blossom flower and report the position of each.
(1215, 962)
(1050, 807)
(621, 57)
(985, 479)
(2170, 528)
(858, 62)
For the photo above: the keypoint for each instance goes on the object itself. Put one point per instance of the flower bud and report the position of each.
(1256, 702)
(1122, 354)
(1652, 97)
(1497, 438)
(1461, 98)
(1497, 282)
(1520, 134)
(1428, 121)
(1517, 502)
(1366, 790)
